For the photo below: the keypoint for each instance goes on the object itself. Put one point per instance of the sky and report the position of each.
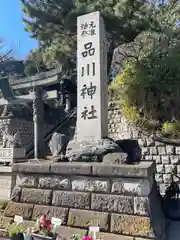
(12, 29)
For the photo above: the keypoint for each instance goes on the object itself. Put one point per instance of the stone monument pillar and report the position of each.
(92, 101)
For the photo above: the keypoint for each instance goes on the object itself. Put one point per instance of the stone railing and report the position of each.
(121, 199)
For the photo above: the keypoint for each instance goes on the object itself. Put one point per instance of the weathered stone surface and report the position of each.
(111, 236)
(26, 181)
(54, 182)
(16, 194)
(90, 185)
(153, 151)
(165, 159)
(4, 234)
(142, 142)
(131, 187)
(141, 206)
(33, 167)
(80, 151)
(161, 150)
(157, 159)
(160, 168)
(71, 199)
(58, 212)
(130, 225)
(150, 142)
(170, 149)
(162, 188)
(159, 178)
(71, 168)
(115, 158)
(22, 209)
(166, 178)
(148, 158)
(5, 221)
(178, 150)
(169, 168)
(36, 196)
(84, 218)
(112, 203)
(157, 143)
(178, 169)
(145, 151)
(143, 169)
(57, 144)
(174, 159)
(67, 232)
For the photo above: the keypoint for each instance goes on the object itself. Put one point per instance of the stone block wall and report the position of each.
(25, 128)
(7, 182)
(166, 156)
(121, 199)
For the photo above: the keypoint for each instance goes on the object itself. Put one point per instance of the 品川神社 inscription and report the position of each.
(92, 111)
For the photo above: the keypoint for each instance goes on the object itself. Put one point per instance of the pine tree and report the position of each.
(53, 23)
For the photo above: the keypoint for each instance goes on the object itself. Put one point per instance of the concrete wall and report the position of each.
(84, 194)
(166, 156)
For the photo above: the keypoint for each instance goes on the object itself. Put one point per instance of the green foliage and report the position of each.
(171, 129)
(34, 63)
(131, 114)
(12, 68)
(53, 24)
(149, 85)
(15, 228)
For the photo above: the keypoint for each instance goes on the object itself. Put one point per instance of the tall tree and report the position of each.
(34, 63)
(53, 23)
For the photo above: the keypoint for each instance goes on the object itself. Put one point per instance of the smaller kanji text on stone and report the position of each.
(88, 29)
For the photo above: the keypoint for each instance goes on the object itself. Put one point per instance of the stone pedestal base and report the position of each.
(12, 155)
(91, 150)
(7, 182)
(121, 199)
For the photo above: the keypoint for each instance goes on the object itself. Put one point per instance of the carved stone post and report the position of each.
(38, 118)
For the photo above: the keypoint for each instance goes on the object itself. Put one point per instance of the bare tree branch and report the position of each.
(5, 56)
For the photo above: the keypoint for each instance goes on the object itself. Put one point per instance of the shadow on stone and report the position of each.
(132, 148)
(155, 209)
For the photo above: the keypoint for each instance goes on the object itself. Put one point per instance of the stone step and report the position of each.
(64, 231)
(67, 232)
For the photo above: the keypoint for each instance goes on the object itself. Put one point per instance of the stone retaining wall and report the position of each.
(25, 128)
(121, 199)
(7, 182)
(166, 156)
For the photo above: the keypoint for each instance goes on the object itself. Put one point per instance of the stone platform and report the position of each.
(122, 199)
